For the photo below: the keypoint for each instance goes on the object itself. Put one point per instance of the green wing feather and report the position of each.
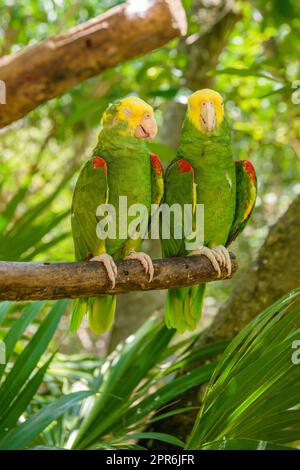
(157, 190)
(91, 190)
(157, 179)
(179, 189)
(184, 305)
(246, 192)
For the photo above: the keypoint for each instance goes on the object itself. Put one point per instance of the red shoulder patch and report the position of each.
(185, 166)
(99, 162)
(156, 164)
(249, 168)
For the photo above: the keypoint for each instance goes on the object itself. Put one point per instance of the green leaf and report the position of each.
(247, 395)
(124, 371)
(243, 444)
(158, 436)
(46, 448)
(30, 356)
(246, 72)
(165, 93)
(25, 233)
(20, 437)
(4, 308)
(201, 354)
(19, 405)
(17, 330)
(282, 90)
(178, 411)
(11, 207)
(168, 392)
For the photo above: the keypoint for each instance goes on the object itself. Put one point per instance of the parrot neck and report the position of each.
(191, 137)
(195, 143)
(111, 142)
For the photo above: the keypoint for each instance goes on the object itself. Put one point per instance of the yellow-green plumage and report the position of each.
(120, 166)
(204, 172)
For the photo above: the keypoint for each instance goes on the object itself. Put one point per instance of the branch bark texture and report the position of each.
(43, 71)
(34, 281)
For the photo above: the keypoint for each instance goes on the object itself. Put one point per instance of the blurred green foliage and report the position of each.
(254, 391)
(43, 394)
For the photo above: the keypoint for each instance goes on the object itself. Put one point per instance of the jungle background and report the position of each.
(249, 52)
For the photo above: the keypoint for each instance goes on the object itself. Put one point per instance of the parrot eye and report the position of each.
(127, 112)
(147, 115)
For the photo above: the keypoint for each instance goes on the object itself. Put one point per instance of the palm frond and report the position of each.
(254, 393)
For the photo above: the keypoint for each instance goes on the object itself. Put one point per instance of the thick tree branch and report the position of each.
(45, 70)
(33, 281)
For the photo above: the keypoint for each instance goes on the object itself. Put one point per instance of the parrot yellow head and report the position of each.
(135, 117)
(206, 110)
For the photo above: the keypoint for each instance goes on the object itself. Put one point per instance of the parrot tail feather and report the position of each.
(101, 313)
(184, 307)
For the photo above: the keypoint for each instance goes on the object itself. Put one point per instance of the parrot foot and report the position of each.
(213, 256)
(109, 265)
(145, 261)
(225, 257)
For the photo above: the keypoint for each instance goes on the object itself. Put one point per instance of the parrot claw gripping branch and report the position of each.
(121, 164)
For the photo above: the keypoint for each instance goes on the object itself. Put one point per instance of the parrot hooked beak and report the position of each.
(208, 116)
(147, 128)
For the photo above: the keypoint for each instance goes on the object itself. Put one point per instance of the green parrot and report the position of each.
(204, 172)
(121, 165)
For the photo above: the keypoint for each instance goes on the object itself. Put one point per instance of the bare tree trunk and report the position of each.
(275, 272)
